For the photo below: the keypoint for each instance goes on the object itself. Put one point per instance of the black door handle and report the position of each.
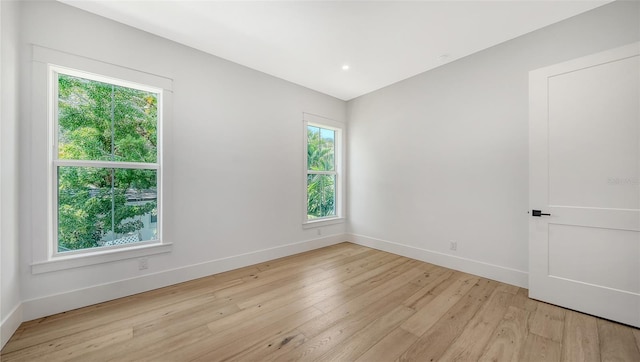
(538, 213)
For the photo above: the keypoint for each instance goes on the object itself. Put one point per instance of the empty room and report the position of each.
(319, 180)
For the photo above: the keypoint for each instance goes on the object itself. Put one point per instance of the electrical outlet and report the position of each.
(143, 263)
(453, 245)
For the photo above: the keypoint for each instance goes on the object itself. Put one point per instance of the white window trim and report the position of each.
(339, 152)
(46, 62)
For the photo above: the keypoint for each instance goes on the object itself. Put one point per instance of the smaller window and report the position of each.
(323, 169)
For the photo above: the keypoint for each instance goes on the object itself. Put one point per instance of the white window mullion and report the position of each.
(113, 202)
(107, 164)
(314, 172)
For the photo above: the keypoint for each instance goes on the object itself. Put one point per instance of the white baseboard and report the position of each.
(45, 306)
(502, 274)
(10, 324)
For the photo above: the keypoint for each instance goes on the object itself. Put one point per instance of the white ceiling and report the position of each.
(308, 42)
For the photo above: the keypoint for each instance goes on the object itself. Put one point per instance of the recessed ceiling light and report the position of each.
(345, 67)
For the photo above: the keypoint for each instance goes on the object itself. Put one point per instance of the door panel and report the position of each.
(593, 127)
(585, 171)
(598, 256)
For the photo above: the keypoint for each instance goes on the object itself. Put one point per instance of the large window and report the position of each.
(323, 143)
(105, 162)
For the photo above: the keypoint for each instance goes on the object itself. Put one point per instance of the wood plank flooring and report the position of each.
(341, 303)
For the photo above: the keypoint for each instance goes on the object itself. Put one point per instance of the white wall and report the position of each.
(10, 316)
(443, 156)
(233, 162)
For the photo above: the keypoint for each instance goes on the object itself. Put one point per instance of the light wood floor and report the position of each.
(340, 303)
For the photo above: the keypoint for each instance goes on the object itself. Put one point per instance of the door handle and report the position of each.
(538, 213)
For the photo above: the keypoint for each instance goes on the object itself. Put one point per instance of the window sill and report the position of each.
(322, 222)
(100, 257)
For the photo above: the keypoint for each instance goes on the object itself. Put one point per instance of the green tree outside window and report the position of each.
(107, 123)
(321, 176)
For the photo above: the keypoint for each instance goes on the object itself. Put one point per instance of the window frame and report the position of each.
(38, 168)
(55, 162)
(339, 151)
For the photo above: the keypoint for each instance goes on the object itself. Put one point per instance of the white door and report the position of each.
(584, 155)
